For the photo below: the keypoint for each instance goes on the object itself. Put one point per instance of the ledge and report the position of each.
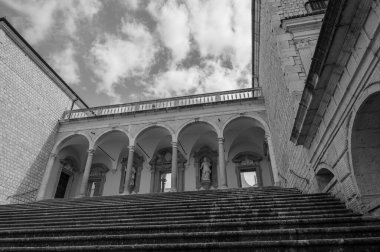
(340, 29)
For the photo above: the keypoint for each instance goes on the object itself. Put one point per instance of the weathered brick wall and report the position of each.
(31, 104)
(330, 148)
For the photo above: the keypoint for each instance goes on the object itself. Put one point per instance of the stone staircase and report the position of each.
(254, 219)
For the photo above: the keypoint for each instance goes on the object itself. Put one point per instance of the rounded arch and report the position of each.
(261, 122)
(58, 145)
(324, 176)
(191, 122)
(107, 131)
(363, 136)
(147, 127)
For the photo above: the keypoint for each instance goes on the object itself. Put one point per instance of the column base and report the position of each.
(79, 196)
(173, 190)
(223, 187)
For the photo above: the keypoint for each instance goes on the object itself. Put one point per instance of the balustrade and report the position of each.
(191, 100)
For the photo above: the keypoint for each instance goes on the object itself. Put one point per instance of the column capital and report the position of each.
(220, 140)
(131, 148)
(174, 144)
(91, 151)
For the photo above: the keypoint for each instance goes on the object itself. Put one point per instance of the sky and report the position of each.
(120, 51)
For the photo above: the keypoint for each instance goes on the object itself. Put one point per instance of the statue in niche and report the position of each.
(133, 177)
(206, 170)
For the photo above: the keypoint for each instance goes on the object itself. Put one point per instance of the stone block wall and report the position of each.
(291, 8)
(31, 104)
(282, 81)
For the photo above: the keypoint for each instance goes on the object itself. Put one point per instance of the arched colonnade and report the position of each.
(117, 156)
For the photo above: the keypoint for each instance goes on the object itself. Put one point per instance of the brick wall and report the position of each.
(31, 104)
(278, 70)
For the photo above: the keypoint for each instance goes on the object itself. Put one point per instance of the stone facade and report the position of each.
(31, 104)
(219, 132)
(324, 161)
(318, 129)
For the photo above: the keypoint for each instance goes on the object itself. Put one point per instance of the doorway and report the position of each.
(62, 185)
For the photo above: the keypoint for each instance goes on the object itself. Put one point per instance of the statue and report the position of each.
(206, 171)
(133, 177)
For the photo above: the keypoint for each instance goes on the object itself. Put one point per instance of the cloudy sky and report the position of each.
(119, 51)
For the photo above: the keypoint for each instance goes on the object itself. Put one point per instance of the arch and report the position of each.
(371, 89)
(262, 123)
(191, 122)
(59, 143)
(325, 177)
(147, 127)
(107, 131)
(362, 141)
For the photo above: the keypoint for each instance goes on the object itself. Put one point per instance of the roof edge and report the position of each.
(41, 63)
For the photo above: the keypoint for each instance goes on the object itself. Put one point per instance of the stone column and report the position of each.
(174, 167)
(272, 160)
(222, 167)
(45, 180)
(86, 173)
(129, 169)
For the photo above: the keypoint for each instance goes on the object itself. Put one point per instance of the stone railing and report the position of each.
(165, 104)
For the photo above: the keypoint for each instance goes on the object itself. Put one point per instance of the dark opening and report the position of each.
(62, 185)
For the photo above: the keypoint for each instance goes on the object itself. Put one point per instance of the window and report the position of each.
(248, 178)
(316, 5)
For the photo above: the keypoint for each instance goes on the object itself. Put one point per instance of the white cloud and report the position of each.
(222, 27)
(221, 30)
(211, 77)
(66, 65)
(115, 57)
(175, 82)
(131, 4)
(75, 11)
(173, 27)
(211, 26)
(41, 16)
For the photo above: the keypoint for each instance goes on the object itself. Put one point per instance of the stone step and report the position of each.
(261, 212)
(133, 213)
(197, 237)
(264, 200)
(162, 208)
(117, 219)
(180, 195)
(349, 244)
(190, 226)
(124, 199)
